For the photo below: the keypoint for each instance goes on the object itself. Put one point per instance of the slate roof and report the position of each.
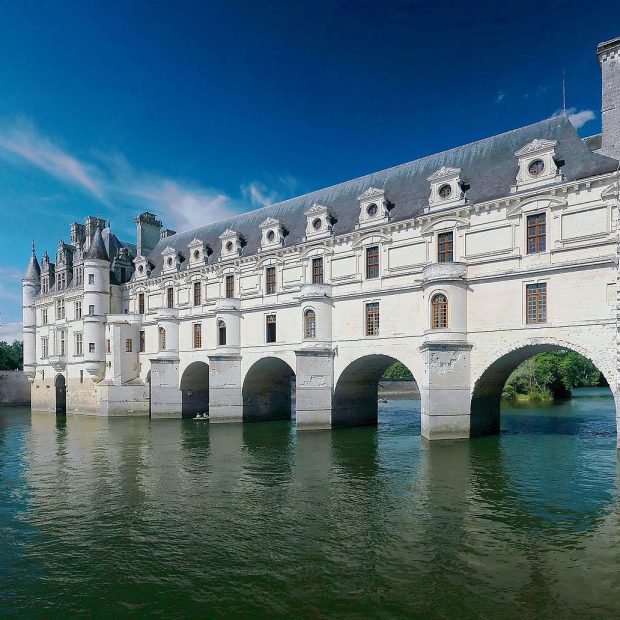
(33, 270)
(489, 167)
(97, 247)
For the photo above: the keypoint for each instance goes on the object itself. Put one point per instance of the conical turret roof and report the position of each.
(33, 270)
(97, 248)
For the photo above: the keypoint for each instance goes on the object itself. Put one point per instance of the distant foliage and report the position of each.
(397, 371)
(11, 356)
(549, 376)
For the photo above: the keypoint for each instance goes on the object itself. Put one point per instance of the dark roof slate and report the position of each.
(489, 167)
(97, 248)
(33, 270)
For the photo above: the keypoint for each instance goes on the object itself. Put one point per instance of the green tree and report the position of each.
(11, 355)
(397, 371)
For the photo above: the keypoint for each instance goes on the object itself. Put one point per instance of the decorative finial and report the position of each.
(33, 247)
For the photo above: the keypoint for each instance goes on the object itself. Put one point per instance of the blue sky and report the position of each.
(196, 110)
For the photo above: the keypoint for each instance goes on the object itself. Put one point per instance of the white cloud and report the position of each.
(112, 181)
(22, 141)
(500, 95)
(578, 119)
(11, 332)
(10, 284)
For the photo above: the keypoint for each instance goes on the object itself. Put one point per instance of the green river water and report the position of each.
(176, 518)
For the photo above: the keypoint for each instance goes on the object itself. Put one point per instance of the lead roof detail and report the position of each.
(489, 168)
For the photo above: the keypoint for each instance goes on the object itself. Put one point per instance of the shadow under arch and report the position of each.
(487, 390)
(267, 390)
(60, 385)
(195, 389)
(356, 396)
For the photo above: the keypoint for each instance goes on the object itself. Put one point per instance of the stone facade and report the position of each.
(459, 265)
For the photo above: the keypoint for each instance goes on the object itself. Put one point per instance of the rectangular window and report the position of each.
(197, 335)
(91, 347)
(317, 271)
(91, 278)
(78, 309)
(445, 247)
(128, 345)
(536, 303)
(142, 342)
(197, 293)
(536, 233)
(60, 308)
(230, 287)
(44, 347)
(170, 297)
(141, 303)
(270, 279)
(78, 344)
(44, 316)
(372, 319)
(78, 276)
(63, 342)
(108, 346)
(271, 328)
(372, 262)
(45, 286)
(62, 281)
(91, 310)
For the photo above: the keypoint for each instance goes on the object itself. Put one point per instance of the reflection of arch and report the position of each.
(267, 390)
(195, 389)
(356, 392)
(487, 388)
(61, 394)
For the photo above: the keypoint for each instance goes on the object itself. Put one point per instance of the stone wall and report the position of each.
(14, 388)
(399, 388)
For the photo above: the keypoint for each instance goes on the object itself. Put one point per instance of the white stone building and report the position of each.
(460, 265)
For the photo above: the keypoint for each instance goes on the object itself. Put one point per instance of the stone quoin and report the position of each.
(460, 265)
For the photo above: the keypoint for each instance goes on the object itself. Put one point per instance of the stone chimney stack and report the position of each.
(148, 232)
(609, 59)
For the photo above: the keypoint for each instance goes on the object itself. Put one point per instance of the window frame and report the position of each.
(372, 318)
(197, 335)
(141, 303)
(170, 297)
(229, 286)
(540, 308)
(309, 324)
(317, 270)
(79, 343)
(440, 308)
(271, 319)
(221, 331)
(533, 234)
(128, 345)
(142, 345)
(270, 280)
(372, 262)
(445, 246)
(197, 293)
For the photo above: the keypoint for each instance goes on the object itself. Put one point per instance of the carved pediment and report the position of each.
(315, 209)
(228, 234)
(372, 193)
(536, 146)
(270, 222)
(445, 172)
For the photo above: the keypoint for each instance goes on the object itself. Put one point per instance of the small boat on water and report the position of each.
(383, 400)
(202, 416)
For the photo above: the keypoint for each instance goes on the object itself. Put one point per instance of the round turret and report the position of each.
(31, 286)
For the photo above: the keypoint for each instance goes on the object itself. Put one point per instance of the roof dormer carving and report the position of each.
(199, 252)
(374, 207)
(172, 260)
(272, 234)
(446, 188)
(231, 244)
(143, 268)
(537, 165)
(318, 221)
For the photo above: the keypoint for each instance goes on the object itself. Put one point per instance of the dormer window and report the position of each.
(374, 207)
(446, 188)
(272, 234)
(231, 244)
(537, 165)
(318, 222)
(172, 260)
(198, 252)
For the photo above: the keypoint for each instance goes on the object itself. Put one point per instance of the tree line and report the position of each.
(11, 355)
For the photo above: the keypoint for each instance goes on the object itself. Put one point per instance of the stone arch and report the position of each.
(267, 390)
(355, 401)
(195, 389)
(488, 384)
(60, 386)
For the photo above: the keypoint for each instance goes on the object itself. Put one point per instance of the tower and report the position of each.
(609, 60)
(96, 305)
(31, 285)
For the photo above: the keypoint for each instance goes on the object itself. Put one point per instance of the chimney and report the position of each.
(147, 234)
(609, 59)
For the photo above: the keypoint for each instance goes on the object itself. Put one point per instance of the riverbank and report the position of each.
(399, 387)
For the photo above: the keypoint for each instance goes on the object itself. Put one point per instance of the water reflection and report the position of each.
(179, 518)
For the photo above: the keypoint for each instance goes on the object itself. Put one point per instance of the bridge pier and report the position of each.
(166, 398)
(315, 382)
(225, 394)
(445, 390)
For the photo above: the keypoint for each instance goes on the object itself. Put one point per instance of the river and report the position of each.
(124, 517)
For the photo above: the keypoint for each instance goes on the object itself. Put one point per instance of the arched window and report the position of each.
(221, 333)
(162, 338)
(309, 324)
(439, 309)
